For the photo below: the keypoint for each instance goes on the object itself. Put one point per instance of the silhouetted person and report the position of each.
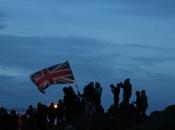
(31, 111)
(70, 100)
(97, 98)
(67, 102)
(41, 117)
(127, 92)
(85, 103)
(122, 107)
(144, 103)
(89, 92)
(138, 102)
(60, 112)
(132, 111)
(13, 120)
(51, 114)
(116, 92)
(29, 120)
(4, 119)
(98, 92)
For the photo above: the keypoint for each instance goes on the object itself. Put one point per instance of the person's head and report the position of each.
(65, 90)
(127, 81)
(51, 104)
(137, 93)
(119, 85)
(70, 88)
(13, 112)
(97, 84)
(60, 101)
(112, 86)
(91, 84)
(39, 105)
(143, 92)
(30, 106)
(3, 110)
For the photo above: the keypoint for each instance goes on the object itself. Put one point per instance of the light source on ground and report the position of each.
(55, 106)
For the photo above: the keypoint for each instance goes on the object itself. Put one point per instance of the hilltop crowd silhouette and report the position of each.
(75, 105)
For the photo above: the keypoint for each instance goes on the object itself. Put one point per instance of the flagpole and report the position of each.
(77, 87)
(75, 82)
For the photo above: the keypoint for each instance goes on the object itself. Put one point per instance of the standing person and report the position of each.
(89, 91)
(127, 92)
(30, 119)
(116, 93)
(97, 98)
(138, 102)
(4, 119)
(85, 103)
(67, 103)
(13, 120)
(51, 114)
(60, 112)
(144, 103)
(41, 117)
(69, 100)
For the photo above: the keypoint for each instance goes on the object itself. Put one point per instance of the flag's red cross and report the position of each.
(57, 74)
(49, 78)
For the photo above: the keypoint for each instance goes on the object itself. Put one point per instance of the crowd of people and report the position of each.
(74, 105)
(139, 106)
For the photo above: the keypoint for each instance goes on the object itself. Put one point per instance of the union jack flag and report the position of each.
(57, 74)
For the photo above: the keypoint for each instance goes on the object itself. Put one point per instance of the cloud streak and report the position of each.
(11, 72)
(2, 26)
(111, 21)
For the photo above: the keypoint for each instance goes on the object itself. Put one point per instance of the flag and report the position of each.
(57, 74)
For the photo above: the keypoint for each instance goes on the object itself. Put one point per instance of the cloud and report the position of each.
(35, 53)
(156, 8)
(11, 72)
(2, 26)
(112, 21)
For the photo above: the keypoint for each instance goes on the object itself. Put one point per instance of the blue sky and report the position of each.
(105, 40)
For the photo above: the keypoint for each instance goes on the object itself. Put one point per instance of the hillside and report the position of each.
(158, 120)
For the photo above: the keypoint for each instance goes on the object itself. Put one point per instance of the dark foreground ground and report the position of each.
(158, 120)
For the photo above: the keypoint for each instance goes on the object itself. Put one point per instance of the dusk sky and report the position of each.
(104, 40)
